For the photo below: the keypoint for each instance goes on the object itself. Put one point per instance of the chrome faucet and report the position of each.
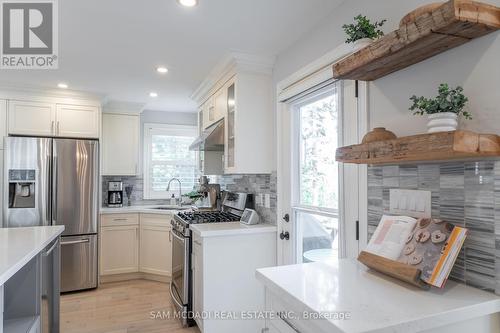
(180, 188)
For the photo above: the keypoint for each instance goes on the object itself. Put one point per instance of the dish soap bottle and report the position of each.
(173, 202)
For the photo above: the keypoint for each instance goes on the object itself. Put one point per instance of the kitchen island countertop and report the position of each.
(376, 303)
(19, 245)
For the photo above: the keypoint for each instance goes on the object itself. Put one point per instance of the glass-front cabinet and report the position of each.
(242, 96)
(230, 132)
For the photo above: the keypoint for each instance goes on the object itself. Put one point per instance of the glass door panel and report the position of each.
(316, 177)
(231, 110)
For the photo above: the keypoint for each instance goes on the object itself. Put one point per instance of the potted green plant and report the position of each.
(443, 110)
(362, 32)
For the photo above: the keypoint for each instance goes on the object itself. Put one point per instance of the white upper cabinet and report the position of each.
(242, 94)
(3, 121)
(220, 104)
(249, 147)
(77, 121)
(51, 119)
(120, 144)
(32, 118)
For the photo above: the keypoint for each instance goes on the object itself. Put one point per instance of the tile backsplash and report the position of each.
(256, 184)
(463, 193)
(137, 197)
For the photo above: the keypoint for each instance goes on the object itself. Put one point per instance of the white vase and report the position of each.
(442, 122)
(361, 43)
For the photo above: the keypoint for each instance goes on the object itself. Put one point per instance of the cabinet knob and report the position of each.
(286, 218)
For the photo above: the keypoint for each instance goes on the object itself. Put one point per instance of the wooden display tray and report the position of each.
(424, 147)
(393, 268)
(452, 24)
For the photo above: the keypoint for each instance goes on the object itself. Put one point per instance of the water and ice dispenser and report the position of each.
(22, 188)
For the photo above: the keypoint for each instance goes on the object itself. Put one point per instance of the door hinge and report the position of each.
(356, 88)
(357, 230)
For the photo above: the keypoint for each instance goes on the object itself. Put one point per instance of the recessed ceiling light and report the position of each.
(188, 3)
(153, 94)
(161, 69)
(62, 85)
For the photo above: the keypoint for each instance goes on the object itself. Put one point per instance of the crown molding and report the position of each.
(123, 107)
(18, 91)
(230, 65)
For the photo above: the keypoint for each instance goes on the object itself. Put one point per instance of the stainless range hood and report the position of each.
(212, 138)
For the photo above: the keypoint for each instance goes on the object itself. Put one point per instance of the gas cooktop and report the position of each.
(207, 217)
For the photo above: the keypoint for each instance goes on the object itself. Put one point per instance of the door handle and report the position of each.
(282, 316)
(58, 127)
(286, 218)
(285, 235)
(46, 254)
(76, 242)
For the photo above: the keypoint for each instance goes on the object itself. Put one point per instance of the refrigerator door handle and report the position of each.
(54, 188)
(48, 203)
(86, 240)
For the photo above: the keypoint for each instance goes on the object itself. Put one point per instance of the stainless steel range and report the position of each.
(181, 289)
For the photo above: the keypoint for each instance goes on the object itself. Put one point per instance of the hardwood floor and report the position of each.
(120, 307)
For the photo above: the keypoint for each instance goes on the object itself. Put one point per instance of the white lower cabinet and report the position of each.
(287, 319)
(197, 269)
(224, 281)
(119, 249)
(133, 243)
(155, 245)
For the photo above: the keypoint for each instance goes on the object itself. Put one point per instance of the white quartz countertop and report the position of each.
(143, 209)
(229, 228)
(19, 245)
(376, 303)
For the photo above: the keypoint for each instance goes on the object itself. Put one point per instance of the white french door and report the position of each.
(318, 197)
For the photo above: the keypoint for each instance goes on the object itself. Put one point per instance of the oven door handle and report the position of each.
(182, 239)
(174, 299)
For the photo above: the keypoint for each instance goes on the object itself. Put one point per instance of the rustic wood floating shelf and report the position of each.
(447, 26)
(439, 146)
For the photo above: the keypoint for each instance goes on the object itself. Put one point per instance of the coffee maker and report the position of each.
(115, 194)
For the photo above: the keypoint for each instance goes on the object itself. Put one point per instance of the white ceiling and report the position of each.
(112, 47)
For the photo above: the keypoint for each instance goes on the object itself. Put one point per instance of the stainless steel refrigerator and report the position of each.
(55, 182)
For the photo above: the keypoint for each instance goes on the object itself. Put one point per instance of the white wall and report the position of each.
(474, 65)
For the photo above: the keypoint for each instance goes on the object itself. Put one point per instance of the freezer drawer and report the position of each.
(78, 262)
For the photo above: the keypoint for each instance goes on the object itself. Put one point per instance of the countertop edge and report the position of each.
(259, 229)
(30, 255)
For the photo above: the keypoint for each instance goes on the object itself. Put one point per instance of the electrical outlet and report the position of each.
(267, 200)
(260, 199)
(410, 202)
